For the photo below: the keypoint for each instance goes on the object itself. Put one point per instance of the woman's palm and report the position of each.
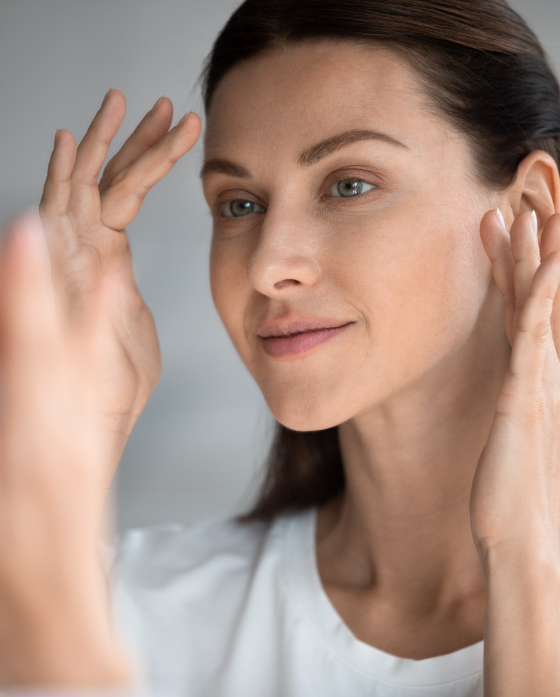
(84, 221)
(516, 488)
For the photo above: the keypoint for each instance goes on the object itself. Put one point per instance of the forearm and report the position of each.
(62, 634)
(522, 634)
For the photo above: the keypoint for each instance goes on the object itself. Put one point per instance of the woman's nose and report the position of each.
(284, 258)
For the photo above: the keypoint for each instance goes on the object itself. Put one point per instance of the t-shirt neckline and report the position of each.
(321, 616)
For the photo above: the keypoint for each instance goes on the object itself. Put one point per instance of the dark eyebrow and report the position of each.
(225, 167)
(316, 152)
(310, 157)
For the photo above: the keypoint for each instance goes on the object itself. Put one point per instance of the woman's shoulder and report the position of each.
(185, 583)
(160, 553)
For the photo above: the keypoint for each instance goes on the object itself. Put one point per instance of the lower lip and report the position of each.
(287, 346)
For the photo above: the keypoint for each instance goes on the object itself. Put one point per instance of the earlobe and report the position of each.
(537, 186)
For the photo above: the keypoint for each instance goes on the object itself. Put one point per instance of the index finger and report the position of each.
(122, 200)
(91, 155)
(149, 131)
(497, 245)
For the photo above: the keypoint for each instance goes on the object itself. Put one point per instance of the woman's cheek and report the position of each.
(231, 291)
(225, 280)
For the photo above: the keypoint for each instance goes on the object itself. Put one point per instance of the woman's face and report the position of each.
(346, 260)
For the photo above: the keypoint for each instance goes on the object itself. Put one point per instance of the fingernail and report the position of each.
(534, 222)
(185, 117)
(56, 138)
(106, 96)
(500, 217)
(157, 104)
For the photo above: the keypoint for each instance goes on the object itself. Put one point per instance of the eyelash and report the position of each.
(226, 205)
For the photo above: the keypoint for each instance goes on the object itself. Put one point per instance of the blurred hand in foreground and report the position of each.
(55, 624)
(79, 358)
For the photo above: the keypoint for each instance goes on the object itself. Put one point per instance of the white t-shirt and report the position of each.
(223, 609)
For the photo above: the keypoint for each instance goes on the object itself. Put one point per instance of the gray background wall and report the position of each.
(196, 451)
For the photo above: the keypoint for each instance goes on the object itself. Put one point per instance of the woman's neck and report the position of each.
(397, 543)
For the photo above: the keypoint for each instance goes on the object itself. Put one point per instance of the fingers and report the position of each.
(72, 180)
(515, 257)
(35, 339)
(122, 200)
(153, 126)
(60, 232)
(27, 307)
(533, 338)
(496, 241)
(518, 272)
(91, 154)
(58, 184)
(550, 238)
(48, 374)
(550, 242)
(526, 255)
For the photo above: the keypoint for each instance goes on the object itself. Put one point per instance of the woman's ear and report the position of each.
(536, 187)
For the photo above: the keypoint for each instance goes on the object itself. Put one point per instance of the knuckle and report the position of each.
(541, 332)
(141, 190)
(517, 398)
(108, 172)
(119, 181)
(84, 178)
(139, 193)
(124, 184)
(504, 405)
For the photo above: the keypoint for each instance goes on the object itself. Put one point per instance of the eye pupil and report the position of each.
(238, 208)
(350, 187)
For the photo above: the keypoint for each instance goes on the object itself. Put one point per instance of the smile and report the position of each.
(282, 344)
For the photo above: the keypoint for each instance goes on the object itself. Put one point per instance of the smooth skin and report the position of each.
(446, 384)
(84, 219)
(414, 380)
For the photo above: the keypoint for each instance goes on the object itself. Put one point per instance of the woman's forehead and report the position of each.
(310, 91)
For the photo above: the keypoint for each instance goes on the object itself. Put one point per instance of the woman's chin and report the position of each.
(307, 415)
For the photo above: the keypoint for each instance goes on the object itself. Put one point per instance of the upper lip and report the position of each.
(289, 326)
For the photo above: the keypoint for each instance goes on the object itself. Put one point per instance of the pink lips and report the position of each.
(287, 338)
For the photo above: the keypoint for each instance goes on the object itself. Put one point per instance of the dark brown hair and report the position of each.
(483, 69)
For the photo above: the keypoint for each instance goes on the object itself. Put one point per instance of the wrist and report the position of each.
(528, 559)
(77, 664)
(62, 634)
(531, 545)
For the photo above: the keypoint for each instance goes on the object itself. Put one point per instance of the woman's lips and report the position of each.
(295, 343)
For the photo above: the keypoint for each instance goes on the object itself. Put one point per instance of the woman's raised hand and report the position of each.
(516, 490)
(84, 222)
(515, 498)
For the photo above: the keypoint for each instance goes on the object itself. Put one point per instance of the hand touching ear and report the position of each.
(515, 498)
(520, 459)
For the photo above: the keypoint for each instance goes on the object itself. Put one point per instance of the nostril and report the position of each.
(272, 271)
(286, 282)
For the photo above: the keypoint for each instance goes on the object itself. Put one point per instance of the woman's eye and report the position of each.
(350, 187)
(239, 207)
